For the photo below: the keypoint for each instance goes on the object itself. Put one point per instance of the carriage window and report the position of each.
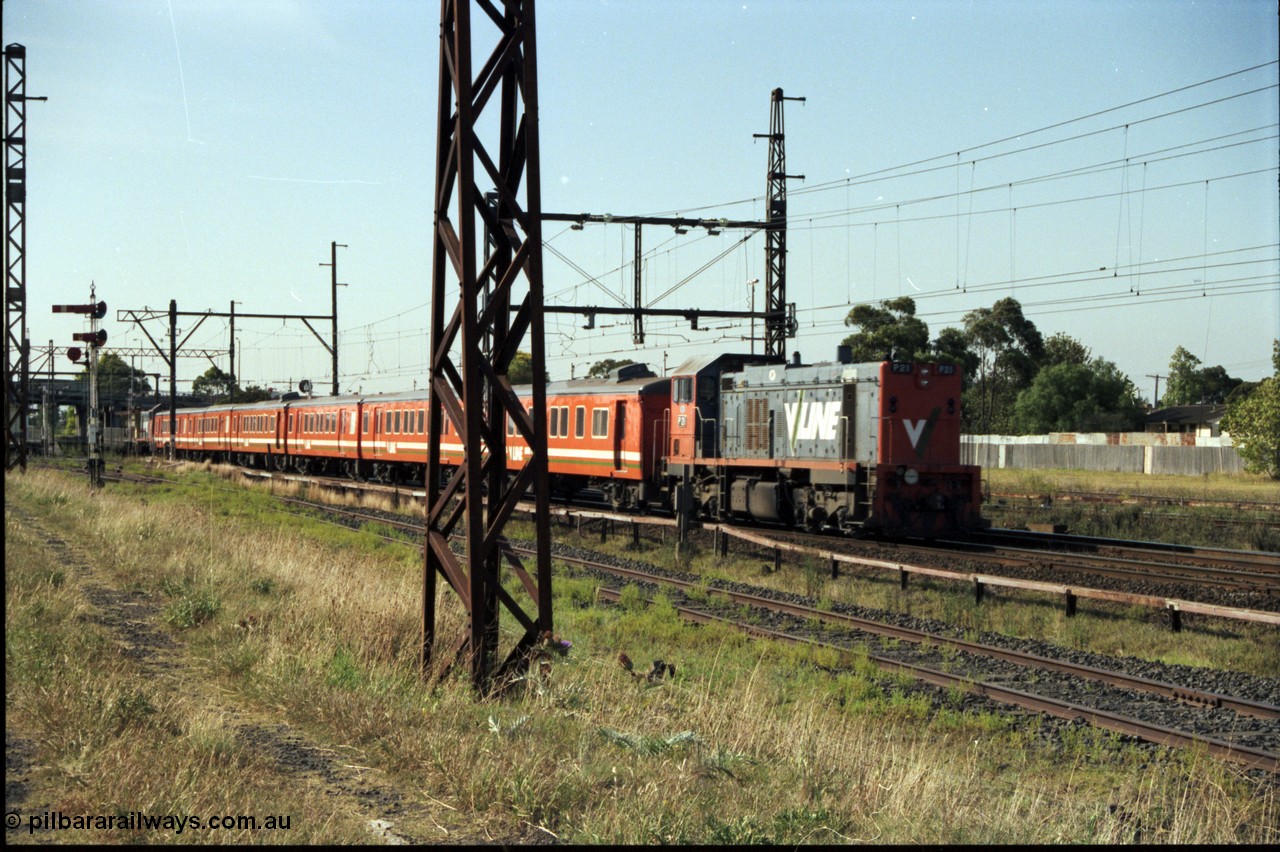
(364, 423)
(397, 421)
(579, 421)
(422, 421)
(511, 426)
(553, 422)
(682, 389)
(599, 422)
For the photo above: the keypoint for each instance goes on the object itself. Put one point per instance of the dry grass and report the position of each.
(1244, 486)
(318, 631)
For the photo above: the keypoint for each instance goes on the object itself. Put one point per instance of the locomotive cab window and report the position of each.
(682, 389)
(579, 421)
(599, 422)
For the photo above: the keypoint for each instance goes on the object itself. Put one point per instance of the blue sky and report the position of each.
(210, 150)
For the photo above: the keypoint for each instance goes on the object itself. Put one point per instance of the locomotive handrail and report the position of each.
(666, 437)
(701, 420)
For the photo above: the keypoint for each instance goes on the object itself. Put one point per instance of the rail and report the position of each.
(1174, 606)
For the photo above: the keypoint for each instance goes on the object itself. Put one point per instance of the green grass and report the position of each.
(749, 742)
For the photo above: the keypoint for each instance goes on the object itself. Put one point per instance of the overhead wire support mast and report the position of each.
(476, 394)
(780, 320)
(139, 317)
(637, 311)
(334, 283)
(16, 346)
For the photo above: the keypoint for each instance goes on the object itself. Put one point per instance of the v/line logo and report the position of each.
(810, 420)
(921, 429)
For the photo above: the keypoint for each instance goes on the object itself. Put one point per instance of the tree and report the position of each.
(952, 347)
(1185, 383)
(1008, 348)
(889, 332)
(1067, 397)
(520, 371)
(253, 393)
(213, 383)
(1275, 355)
(602, 369)
(1063, 349)
(1191, 384)
(114, 376)
(1254, 426)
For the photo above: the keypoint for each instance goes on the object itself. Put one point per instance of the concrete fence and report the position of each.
(1128, 452)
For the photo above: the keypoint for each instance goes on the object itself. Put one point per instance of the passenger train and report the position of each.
(870, 447)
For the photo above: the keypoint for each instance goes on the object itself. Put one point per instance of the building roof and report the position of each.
(1187, 414)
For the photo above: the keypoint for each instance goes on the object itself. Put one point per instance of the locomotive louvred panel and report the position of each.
(757, 416)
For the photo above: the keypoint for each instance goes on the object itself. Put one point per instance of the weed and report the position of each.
(342, 670)
(648, 745)
(262, 586)
(193, 608)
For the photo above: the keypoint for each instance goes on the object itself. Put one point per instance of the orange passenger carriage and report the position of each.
(605, 435)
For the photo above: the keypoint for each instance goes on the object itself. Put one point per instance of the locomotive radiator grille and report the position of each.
(757, 416)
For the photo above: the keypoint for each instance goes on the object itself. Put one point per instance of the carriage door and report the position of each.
(619, 435)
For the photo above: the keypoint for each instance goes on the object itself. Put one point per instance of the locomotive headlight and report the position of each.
(911, 476)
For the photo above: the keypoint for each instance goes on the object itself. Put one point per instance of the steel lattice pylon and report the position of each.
(15, 259)
(474, 341)
(780, 322)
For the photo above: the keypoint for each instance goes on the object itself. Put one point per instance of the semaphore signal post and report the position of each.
(93, 339)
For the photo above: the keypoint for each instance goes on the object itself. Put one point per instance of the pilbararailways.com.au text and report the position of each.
(138, 821)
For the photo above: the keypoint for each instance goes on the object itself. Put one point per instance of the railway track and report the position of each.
(1258, 575)
(1256, 561)
(1241, 729)
(1133, 499)
(1186, 592)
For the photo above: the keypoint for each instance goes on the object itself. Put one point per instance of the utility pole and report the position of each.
(1155, 400)
(231, 359)
(333, 265)
(173, 377)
